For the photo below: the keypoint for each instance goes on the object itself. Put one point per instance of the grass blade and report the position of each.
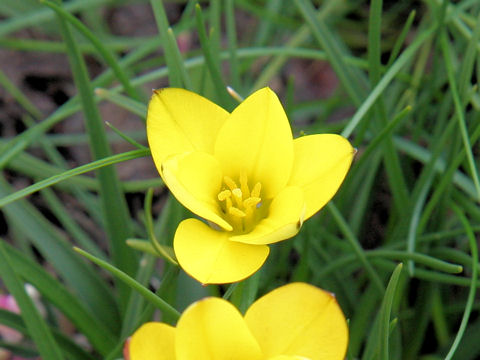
(37, 328)
(385, 81)
(177, 56)
(133, 106)
(401, 38)
(126, 137)
(385, 312)
(38, 17)
(225, 100)
(360, 253)
(459, 112)
(100, 336)
(348, 78)
(471, 295)
(174, 72)
(162, 250)
(104, 52)
(19, 96)
(114, 207)
(147, 294)
(70, 348)
(70, 173)
(80, 277)
(232, 43)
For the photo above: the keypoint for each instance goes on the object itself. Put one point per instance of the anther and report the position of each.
(237, 196)
(236, 212)
(237, 193)
(251, 202)
(244, 184)
(256, 190)
(229, 182)
(224, 194)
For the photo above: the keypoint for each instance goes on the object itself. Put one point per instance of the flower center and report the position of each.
(239, 204)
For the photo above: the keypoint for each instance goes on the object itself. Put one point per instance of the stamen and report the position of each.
(256, 190)
(251, 202)
(237, 197)
(244, 184)
(239, 204)
(236, 212)
(224, 194)
(237, 193)
(228, 203)
(229, 182)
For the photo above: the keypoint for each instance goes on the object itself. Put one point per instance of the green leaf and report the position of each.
(114, 207)
(133, 106)
(99, 335)
(126, 137)
(147, 294)
(172, 44)
(385, 81)
(357, 248)
(401, 38)
(147, 247)
(232, 43)
(170, 48)
(164, 251)
(473, 286)
(7, 199)
(37, 328)
(85, 282)
(209, 52)
(136, 303)
(459, 112)
(23, 100)
(40, 16)
(385, 312)
(349, 78)
(68, 347)
(104, 52)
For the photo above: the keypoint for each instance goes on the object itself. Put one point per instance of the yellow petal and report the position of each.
(213, 329)
(285, 217)
(208, 256)
(257, 139)
(320, 165)
(288, 357)
(179, 121)
(195, 179)
(299, 319)
(153, 341)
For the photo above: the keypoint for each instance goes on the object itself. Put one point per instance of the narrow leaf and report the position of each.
(37, 328)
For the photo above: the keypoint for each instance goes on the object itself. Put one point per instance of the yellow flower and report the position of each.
(243, 173)
(296, 321)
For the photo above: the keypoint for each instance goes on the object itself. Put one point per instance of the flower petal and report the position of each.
(284, 220)
(299, 319)
(213, 329)
(195, 179)
(320, 165)
(288, 357)
(153, 341)
(179, 121)
(257, 139)
(208, 256)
